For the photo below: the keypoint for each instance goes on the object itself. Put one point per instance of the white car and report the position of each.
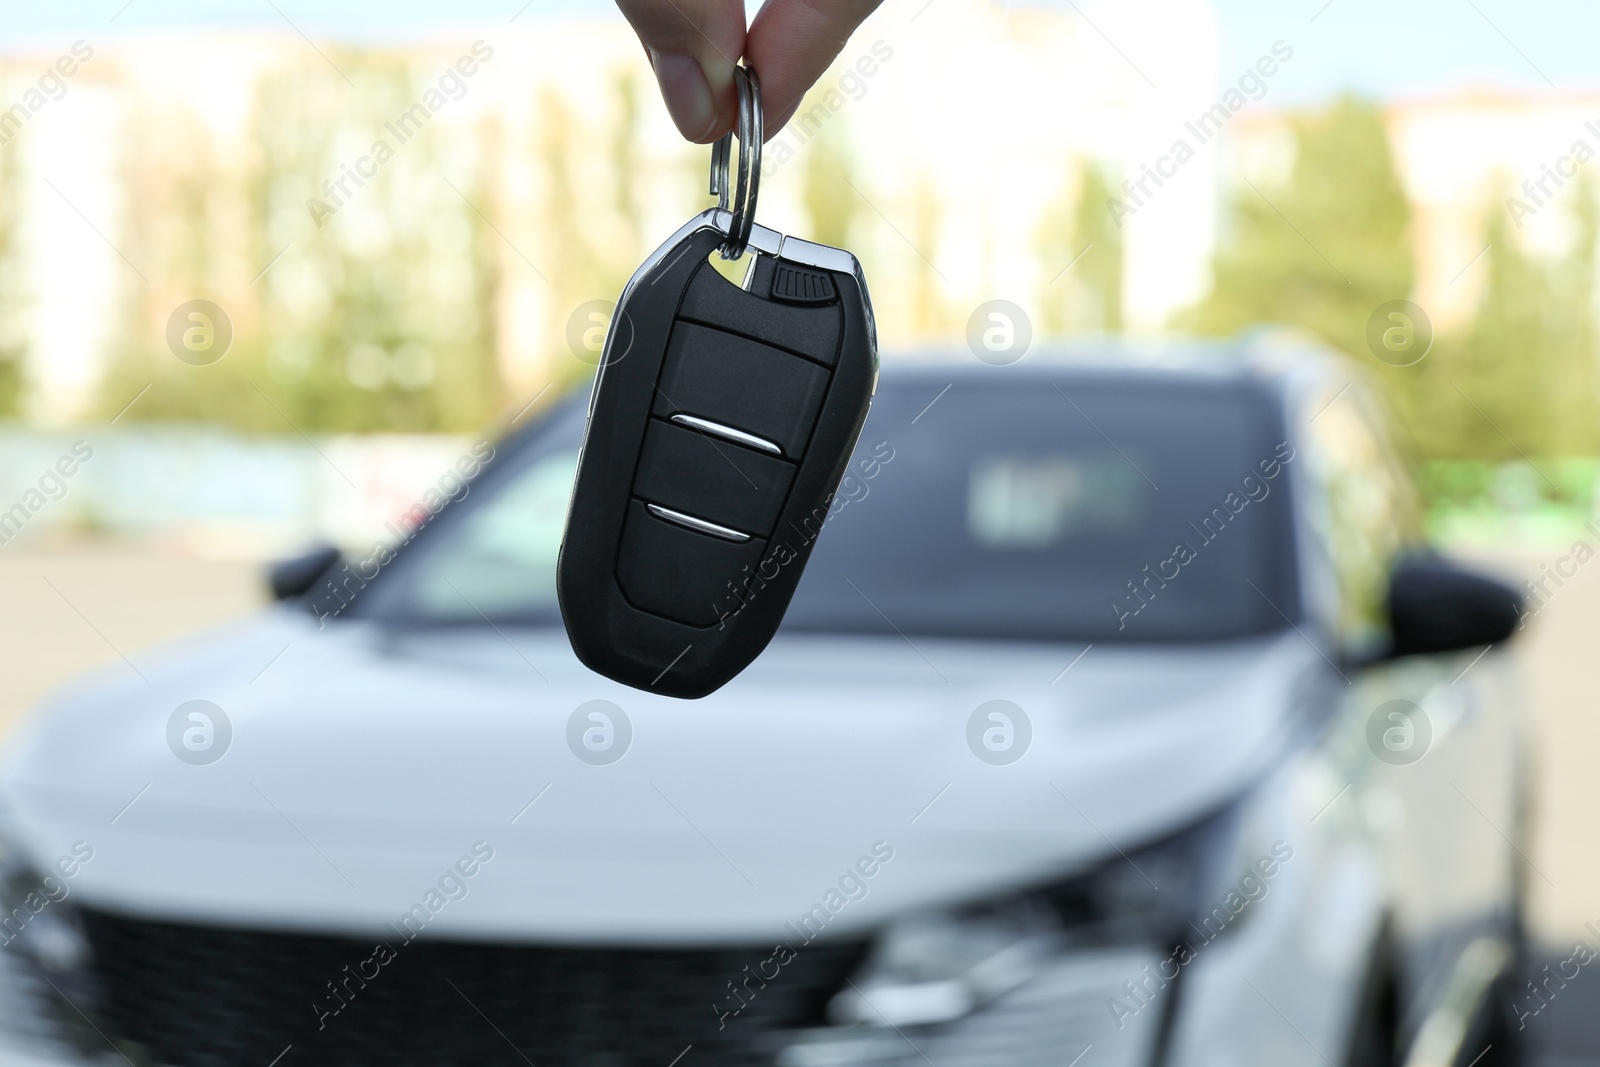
(1112, 724)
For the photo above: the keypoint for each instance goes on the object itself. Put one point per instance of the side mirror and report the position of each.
(1439, 606)
(294, 577)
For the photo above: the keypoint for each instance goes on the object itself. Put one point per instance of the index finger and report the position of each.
(791, 43)
(693, 46)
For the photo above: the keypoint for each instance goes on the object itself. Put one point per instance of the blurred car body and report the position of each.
(1081, 744)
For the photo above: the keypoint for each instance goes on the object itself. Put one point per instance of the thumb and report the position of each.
(693, 46)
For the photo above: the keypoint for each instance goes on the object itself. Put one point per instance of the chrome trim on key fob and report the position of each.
(699, 525)
(716, 429)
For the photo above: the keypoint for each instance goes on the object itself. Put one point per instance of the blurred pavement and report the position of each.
(73, 609)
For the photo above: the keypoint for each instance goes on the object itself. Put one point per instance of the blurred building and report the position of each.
(383, 224)
(401, 235)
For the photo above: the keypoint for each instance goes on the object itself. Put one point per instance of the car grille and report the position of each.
(207, 996)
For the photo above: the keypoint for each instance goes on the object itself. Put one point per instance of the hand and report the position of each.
(694, 44)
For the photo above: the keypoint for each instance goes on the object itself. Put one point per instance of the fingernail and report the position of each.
(688, 94)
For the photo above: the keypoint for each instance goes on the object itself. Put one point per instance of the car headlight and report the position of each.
(937, 968)
(35, 918)
(44, 958)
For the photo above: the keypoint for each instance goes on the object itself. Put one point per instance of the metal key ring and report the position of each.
(751, 131)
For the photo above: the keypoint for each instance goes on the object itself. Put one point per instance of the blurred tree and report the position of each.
(179, 237)
(1079, 232)
(626, 162)
(374, 273)
(831, 204)
(13, 310)
(929, 313)
(382, 318)
(1325, 249)
(1520, 379)
(592, 222)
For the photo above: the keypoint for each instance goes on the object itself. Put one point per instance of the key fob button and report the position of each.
(714, 301)
(712, 478)
(741, 383)
(792, 285)
(674, 572)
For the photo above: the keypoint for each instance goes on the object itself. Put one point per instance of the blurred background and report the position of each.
(398, 257)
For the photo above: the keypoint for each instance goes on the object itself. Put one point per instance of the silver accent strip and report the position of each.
(765, 240)
(738, 437)
(1441, 1040)
(698, 525)
(814, 255)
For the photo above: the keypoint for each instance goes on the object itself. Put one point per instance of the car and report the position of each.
(1122, 717)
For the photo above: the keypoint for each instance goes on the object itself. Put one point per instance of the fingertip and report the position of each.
(777, 120)
(792, 42)
(691, 45)
(696, 103)
(725, 95)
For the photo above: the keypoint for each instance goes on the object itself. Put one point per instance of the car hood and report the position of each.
(364, 764)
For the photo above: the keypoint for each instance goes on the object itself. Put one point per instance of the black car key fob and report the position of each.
(720, 426)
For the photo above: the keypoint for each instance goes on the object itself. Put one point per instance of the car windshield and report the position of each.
(1042, 506)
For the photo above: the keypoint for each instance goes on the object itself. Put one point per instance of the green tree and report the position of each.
(930, 311)
(178, 239)
(1080, 246)
(627, 164)
(593, 236)
(13, 323)
(1519, 380)
(832, 206)
(1325, 249)
(383, 320)
(1332, 244)
(372, 308)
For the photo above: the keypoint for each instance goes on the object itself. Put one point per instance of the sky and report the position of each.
(1390, 49)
